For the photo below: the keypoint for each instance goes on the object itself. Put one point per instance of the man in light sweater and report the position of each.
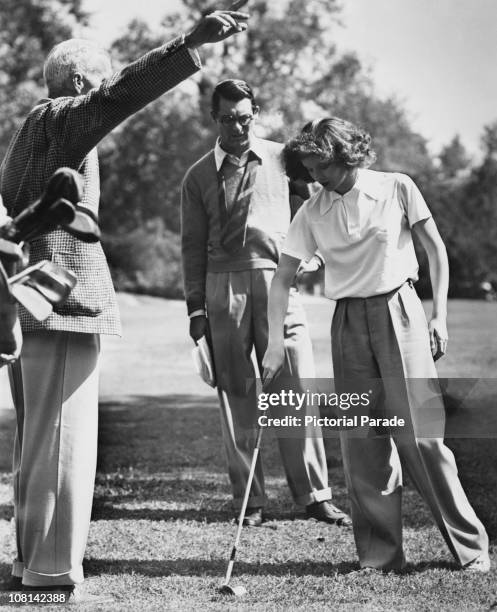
(235, 210)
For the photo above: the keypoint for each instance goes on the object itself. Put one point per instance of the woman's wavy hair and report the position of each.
(332, 139)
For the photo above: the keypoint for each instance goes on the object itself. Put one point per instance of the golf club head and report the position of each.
(50, 280)
(64, 183)
(19, 277)
(43, 215)
(53, 292)
(84, 225)
(9, 251)
(53, 282)
(237, 591)
(32, 301)
(68, 184)
(34, 220)
(58, 273)
(57, 281)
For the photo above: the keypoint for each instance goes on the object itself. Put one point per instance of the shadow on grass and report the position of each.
(110, 513)
(168, 450)
(5, 575)
(216, 568)
(160, 433)
(130, 486)
(6, 512)
(207, 515)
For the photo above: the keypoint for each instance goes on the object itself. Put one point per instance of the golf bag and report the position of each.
(41, 286)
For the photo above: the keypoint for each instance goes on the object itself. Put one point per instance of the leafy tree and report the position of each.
(143, 163)
(479, 202)
(289, 57)
(28, 30)
(489, 141)
(466, 201)
(147, 260)
(453, 158)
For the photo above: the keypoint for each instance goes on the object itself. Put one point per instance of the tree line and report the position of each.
(290, 59)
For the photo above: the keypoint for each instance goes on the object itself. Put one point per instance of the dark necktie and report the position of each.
(234, 222)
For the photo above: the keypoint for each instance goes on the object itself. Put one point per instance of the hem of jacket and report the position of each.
(77, 324)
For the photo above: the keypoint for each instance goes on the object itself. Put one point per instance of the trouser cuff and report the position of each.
(257, 501)
(30, 578)
(314, 496)
(17, 568)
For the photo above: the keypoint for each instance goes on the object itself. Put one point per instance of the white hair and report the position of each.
(71, 56)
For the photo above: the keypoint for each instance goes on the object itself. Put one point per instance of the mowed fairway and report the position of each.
(162, 526)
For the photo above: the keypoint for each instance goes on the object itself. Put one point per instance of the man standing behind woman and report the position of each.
(362, 222)
(235, 214)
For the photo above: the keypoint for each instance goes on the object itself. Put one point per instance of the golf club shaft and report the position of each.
(241, 518)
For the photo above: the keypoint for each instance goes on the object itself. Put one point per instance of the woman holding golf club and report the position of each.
(362, 222)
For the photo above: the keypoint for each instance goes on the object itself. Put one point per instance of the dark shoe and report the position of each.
(15, 584)
(328, 513)
(253, 517)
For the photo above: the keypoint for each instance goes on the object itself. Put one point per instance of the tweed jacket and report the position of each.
(64, 132)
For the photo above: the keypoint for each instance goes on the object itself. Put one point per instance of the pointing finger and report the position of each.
(237, 5)
(236, 15)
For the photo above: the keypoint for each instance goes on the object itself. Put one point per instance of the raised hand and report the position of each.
(217, 26)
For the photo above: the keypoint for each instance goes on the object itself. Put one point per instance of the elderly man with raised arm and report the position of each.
(55, 382)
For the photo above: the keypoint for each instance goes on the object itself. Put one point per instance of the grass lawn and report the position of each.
(162, 524)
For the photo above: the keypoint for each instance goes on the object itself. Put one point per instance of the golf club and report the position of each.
(39, 218)
(225, 588)
(32, 301)
(10, 252)
(68, 184)
(84, 226)
(42, 286)
(36, 220)
(64, 183)
(52, 281)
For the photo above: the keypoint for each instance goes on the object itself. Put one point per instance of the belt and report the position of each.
(381, 295)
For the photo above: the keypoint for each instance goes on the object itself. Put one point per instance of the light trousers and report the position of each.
(385, 340)
(55, 391)
(237, 311)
